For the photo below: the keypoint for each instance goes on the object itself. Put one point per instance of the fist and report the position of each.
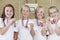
(30, 25)
(42, 23)
(11, 21)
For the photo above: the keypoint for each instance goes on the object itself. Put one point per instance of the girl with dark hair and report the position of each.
(39, 24)
(7, 21)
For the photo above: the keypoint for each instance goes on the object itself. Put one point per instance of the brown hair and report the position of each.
(37, 10)
(51, 8)
(3, 13)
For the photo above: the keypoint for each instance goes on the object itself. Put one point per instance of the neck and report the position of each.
(55, 17)
(8, 18)
(39, 18)
(24, 18)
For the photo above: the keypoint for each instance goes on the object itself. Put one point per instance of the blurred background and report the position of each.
(19, 3)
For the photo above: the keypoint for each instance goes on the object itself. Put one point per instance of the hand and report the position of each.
(43, 31)
(48, 20)
(30, 25)
(43, 23)
(11, 21)
(54, 20)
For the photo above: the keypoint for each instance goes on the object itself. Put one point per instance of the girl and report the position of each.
(7, 23)
(53, 24)
(39, 26)
(25, 25)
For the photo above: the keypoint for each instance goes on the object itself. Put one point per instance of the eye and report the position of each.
(27, 11)
(55, 12)
(41, 12)
(37, 12)
(50, 13)
(6, 10)
(11, 10)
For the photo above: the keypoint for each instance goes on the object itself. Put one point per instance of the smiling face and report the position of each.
(53, 12)
(40, 13)
(25, 12)
(8, 12)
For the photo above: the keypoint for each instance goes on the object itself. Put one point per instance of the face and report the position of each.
(40, 13)
(53, 13)
(25, 12)
(8, 12)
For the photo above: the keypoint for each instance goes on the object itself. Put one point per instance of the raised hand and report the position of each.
(30, 25)
(11, 21)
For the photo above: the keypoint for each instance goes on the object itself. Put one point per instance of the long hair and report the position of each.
(3, 13)
(37, 10)
(52, 8)
(22, 9)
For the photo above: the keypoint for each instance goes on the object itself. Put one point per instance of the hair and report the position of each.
(37, 10)
(23, 17)
(52, 8)
(3, 13)
(25, 6)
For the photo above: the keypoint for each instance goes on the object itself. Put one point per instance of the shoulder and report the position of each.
(18, 22)
(1, 18)
(59, 21)
(1, 22)
(31, 21)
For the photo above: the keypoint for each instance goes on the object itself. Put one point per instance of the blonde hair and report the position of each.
(37, 10)
(52, 8)
(25, 6)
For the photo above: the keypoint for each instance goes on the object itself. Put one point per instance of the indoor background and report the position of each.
(18, 4)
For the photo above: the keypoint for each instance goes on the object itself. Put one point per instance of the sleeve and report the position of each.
(16, 28)
(1, 23)
(59, 23)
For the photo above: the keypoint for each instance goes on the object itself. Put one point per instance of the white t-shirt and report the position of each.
(23, 32)
(38, 35)
(54, 36)
(10, 32)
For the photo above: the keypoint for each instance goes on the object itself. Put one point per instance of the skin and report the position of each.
(25, 14)
(40, 13)
(8, 13)
(54, 14)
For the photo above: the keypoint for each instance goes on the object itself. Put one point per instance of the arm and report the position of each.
(57, 29)
(43, 31)
(15, 35)
(32, 30)
(49, 30)
(4, 29)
